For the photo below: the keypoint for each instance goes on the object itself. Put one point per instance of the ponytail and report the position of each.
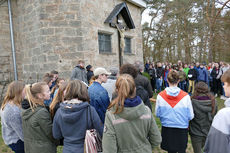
(125, 87)
(32, 91)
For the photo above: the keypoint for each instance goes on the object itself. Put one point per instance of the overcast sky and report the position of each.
(147, 18)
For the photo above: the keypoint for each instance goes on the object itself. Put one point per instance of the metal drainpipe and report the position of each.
(12, 41)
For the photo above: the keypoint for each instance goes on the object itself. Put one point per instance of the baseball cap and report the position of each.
(100, 70)
(114, 70)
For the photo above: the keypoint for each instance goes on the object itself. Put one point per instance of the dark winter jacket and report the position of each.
(216, 73)
(192, 74)
(89, 75)
(201, 123)
(143, 94)
(37, 129)
(159, 72)
(79, 73)
(71, 122)
(152, 73)
(99, 99)
(141, 80)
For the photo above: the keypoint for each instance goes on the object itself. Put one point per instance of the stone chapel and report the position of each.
(55, 34)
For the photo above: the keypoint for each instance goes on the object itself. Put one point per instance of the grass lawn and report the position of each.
(6, 149)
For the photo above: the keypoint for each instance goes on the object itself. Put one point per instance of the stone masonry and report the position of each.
(55, 34)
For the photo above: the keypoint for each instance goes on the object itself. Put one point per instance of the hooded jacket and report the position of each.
(218, 137)
(203, 117)
(134, 130)
(70, 123)
(79, 73)
(174, 108)
(37, 129)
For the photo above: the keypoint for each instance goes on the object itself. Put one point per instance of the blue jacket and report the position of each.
(99, 99)
(174, 108)
(70, 123)
(202, 75)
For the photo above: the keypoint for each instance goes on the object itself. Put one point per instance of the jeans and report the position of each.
(166, 84)
(17, 147)
(159, 84)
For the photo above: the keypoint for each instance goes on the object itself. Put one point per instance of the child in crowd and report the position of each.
(205, 108)
(218, 137)
(129, 124)
(11, 120)
(74, 117)
(36, 120)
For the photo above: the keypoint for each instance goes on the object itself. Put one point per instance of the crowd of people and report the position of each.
(56, 111)
(189, 74)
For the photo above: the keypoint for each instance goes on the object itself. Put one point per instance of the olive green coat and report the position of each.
(37, 130)
(134, 130)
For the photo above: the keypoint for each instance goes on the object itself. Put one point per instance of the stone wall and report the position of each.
(6, 67)
(50, 37)
(55, 34)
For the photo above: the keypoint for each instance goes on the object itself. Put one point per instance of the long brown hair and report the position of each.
(32, 91)
(14, 94)
(58, 98)
(76, 89)
(201, 89)
(56, 85)
(125, 87)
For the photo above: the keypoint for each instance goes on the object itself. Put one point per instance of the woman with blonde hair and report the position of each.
(129, 124)
(36, 120)
(11, 120)
(59, 97)
(74, 117)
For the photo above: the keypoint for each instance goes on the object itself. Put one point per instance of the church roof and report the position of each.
(122, 9)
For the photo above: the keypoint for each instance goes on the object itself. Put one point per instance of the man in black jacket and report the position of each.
(143, 86)
(192, 76)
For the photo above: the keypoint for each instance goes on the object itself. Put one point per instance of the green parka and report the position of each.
(134, 130)
(37, 130)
